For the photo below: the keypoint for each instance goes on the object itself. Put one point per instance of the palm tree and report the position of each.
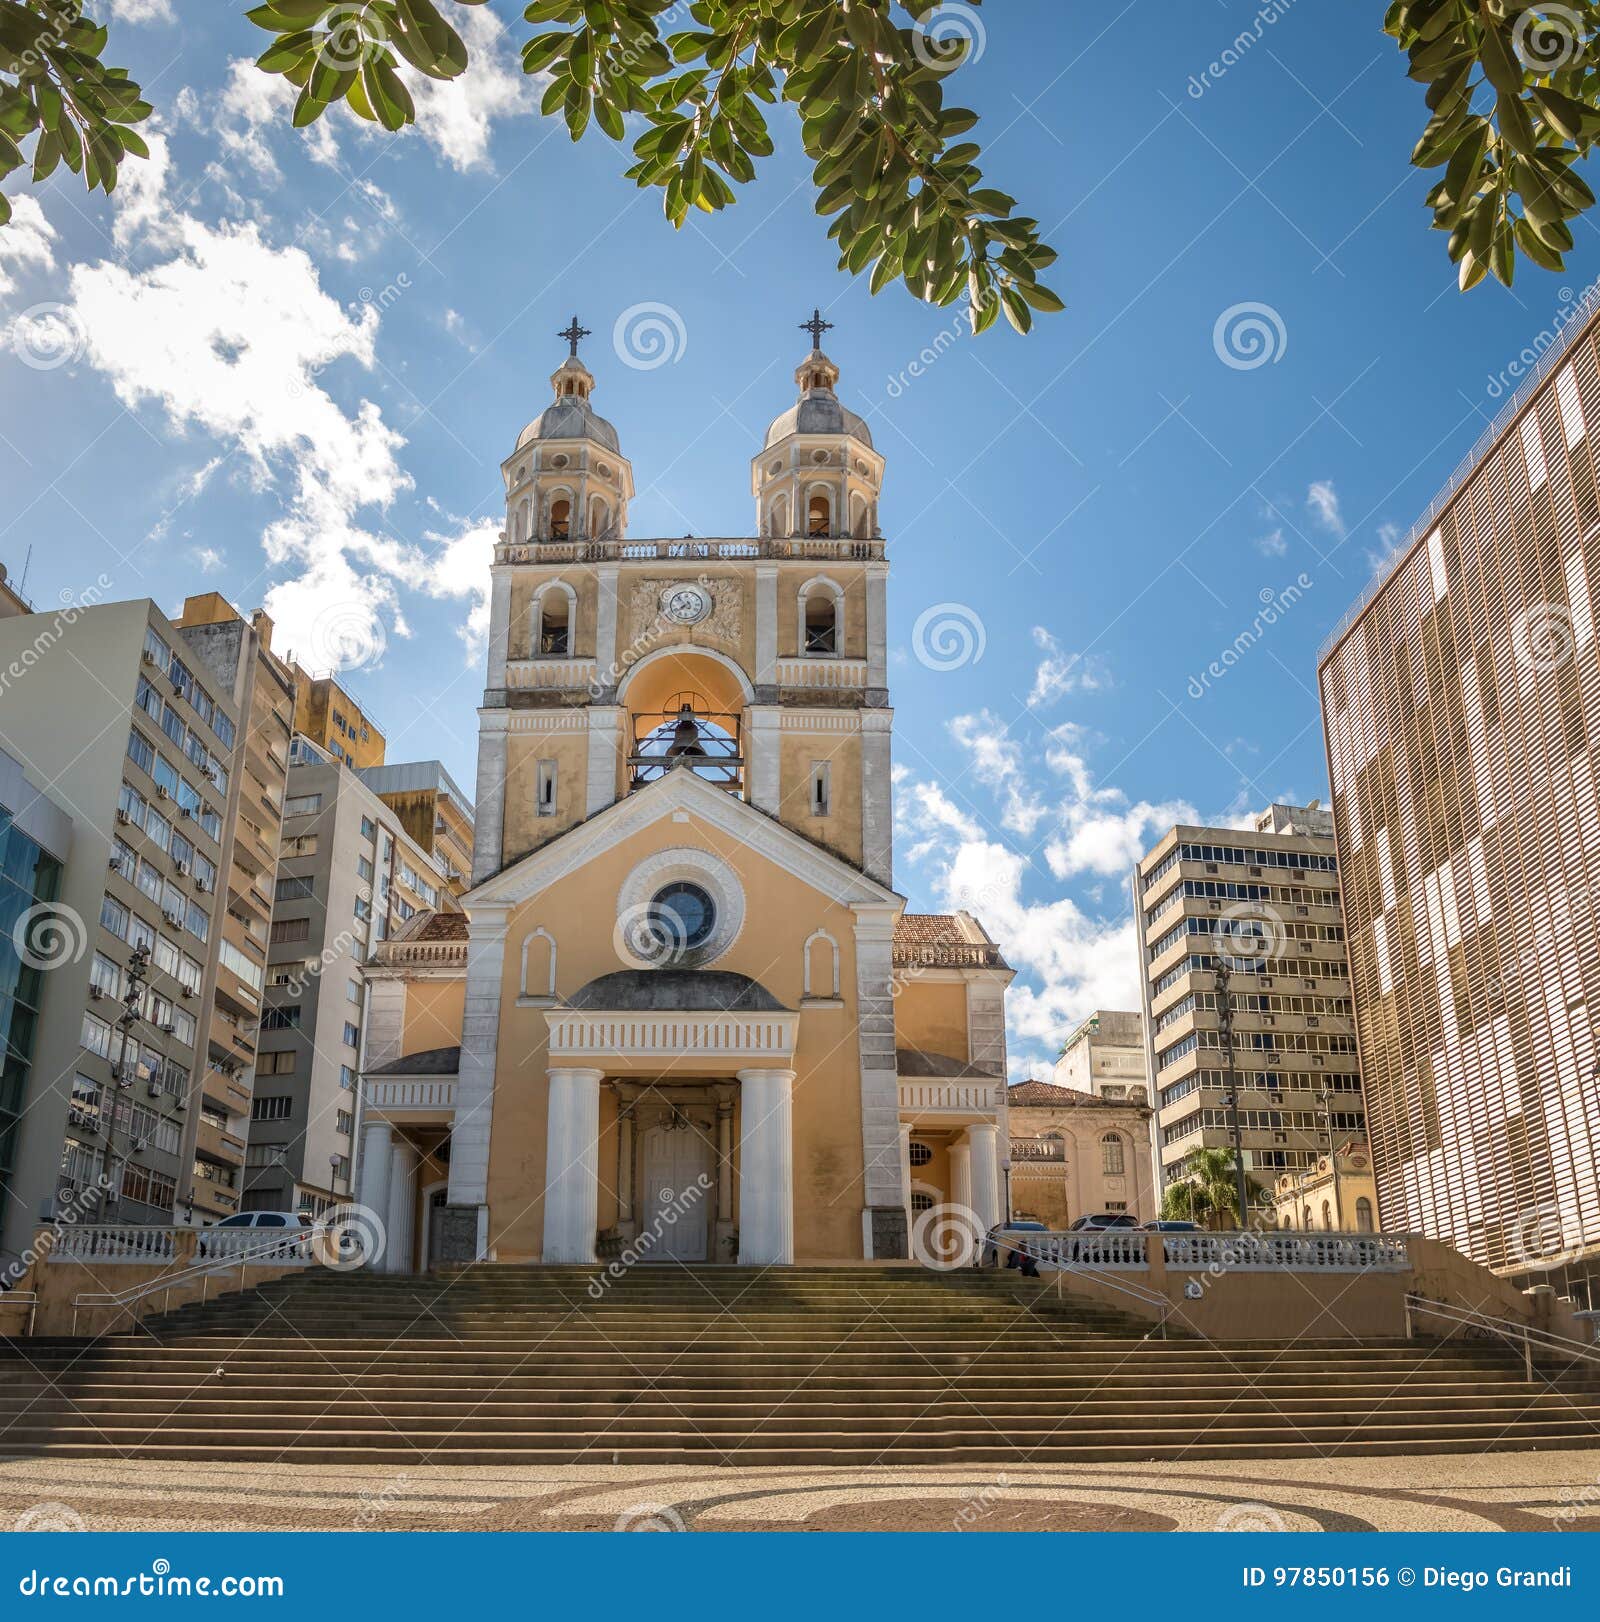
(1208, 1191)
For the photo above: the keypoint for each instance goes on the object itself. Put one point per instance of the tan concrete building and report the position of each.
(1075, 1153)
(1105, 1055)
(11, 599)
(1264, 901)
(328, 714)
(1461, 709)
(1339, 1194)
(127, 724)
(349, 878)
(689, 1014)
(238, 652)
(433, 811)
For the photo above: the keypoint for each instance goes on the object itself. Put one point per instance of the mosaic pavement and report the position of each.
(1547, 1491)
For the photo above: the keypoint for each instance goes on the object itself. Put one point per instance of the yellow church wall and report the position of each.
(850, 578)
(433, 1012)
(798, 752)
(730, 628)
(931, 1015)
(781, 911)
(525, 584)
(525, 830)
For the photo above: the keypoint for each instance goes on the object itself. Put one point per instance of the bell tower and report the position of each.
(756, 662)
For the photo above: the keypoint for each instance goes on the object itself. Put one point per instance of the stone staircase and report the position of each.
(801, 1366)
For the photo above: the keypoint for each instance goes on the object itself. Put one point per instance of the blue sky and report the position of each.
(286, 366)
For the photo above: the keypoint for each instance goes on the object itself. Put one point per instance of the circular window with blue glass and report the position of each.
(682, 918)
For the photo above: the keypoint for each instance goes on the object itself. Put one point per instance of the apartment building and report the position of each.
(1461, 711)
(350, 876)
(432, 810)
(35, 845)
(1264, 901)
(329, 715)
(1105, 1055)
(128, 729)
(238, 653)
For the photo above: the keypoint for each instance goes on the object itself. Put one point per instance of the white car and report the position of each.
(296, 1221)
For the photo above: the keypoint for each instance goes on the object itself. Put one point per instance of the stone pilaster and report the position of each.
(765, 729)
(877, 796)
(606, 674)
(480, 1035)
(605, 739)
(489, 808)
(983, 1140)
(884, 1182)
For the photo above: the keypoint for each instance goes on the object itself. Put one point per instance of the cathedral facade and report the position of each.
(684, 1015)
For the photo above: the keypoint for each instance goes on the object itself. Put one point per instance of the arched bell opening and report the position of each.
(686, 712)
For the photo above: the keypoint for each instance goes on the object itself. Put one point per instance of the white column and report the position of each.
(766, 672)
(985, 1176)
(480, 1038)
(961, 1175)
(763, 775)
(571, 1166)
(376, 1136)
(905, 1170)
(605, 731)
(489, 811)
(766, 1168)
(606, 674)
(877, 804)
(402, 1207)
(499, 625)
(878, 627)
(625, 1168)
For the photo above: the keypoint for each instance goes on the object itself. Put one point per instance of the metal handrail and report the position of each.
(1508, 1329)
(1138, 1292)
(18, 1298)
(268, 1250)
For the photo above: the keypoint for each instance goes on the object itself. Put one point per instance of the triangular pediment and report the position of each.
(680, 791)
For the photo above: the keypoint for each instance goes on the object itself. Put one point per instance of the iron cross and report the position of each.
(573, 334)
(816, 326)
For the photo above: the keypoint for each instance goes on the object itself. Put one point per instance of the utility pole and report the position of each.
(1224, 979)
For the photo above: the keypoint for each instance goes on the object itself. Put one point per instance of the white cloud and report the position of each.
(457, 116)
(1322, 501)
(1070, 961)
(1272, 544)
(230, 336)
(208, 558)
(27, 242)
(1389, 537)
(139, 11)
(1060, 672)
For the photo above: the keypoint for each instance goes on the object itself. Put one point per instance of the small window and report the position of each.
(921, 1154)
(819, 518)
(1363, 1215)
(822, 623)
(821, 788)
(555, 630)
(546, 803)
(921, 1203)
(1112, 1163)
(561, 514)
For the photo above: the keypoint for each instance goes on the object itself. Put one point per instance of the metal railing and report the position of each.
(292, 1247)
(1520, 1336)
(22, 1298)
(1549, 361)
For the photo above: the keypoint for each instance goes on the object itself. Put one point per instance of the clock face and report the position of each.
(687, 605)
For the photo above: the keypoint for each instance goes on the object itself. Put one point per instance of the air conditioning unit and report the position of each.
(202, 887)
(148, 657)
(161, 793)
(186, 992)
(155, 1089)
(139, 1146)
(184, 812)
(96, 993)
(124, 819)
(169, 1030)
(180, 1102)
(173, 918)
(181, 869)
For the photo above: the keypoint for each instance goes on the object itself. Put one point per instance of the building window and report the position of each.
(302, 805)
(286, 930)
(920, 1154)
(920, 1203)
(821, 788)
(368, 828)
(281, 1019)
(352, 1035)
(560, 519)
(819, 520)
(1112, 1159)
(347, 1077)
(292, 889)
(547, 788)
(1363, 1215)
(343, 1121)
(271, 1109)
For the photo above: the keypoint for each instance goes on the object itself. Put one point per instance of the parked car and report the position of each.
(1172, 1227)
(999, 1234)
(296, 1220)
(1104, 1222)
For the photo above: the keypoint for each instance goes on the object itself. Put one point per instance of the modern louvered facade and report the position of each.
(1461, 710)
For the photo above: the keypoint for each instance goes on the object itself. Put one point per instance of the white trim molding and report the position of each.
(766, 1168)
(631, 1042)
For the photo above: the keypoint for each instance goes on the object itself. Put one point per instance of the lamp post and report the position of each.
(132, 998)
(1325, 1107)
(1223, 979)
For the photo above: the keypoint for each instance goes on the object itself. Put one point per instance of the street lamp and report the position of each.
(132, 998)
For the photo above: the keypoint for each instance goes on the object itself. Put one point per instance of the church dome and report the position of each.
(819, 412)
(570, 418)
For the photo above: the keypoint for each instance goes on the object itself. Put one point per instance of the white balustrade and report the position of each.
(964, 1097)
(132, 1244)
(113, 1242)
(1118, 1249)
(549, 673)
(625, 1035)
(1286, 1252)
(822, 672)
(412, 1092)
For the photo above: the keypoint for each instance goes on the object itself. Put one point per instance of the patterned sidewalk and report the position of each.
(1546, 1491)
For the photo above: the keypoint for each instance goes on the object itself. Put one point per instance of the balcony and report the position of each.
(690, 548)
(549, 674)
(408, 1096)
(952, 1100)
(828, 674)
